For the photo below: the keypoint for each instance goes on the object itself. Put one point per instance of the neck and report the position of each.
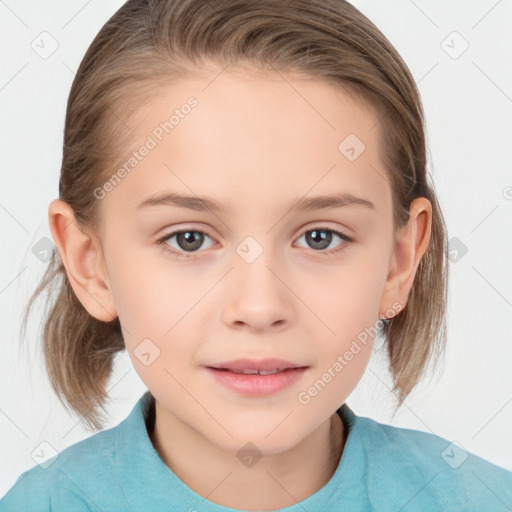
(275, 481)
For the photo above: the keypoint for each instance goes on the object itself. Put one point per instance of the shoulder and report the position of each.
(430, 468)
(67, 480)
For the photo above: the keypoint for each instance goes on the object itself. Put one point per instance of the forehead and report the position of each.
(242, 136)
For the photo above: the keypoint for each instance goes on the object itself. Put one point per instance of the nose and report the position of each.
(258, 296)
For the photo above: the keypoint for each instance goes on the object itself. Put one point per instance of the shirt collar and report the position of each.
(149, 483)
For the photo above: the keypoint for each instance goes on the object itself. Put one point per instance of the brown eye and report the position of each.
(320, 238)
(187, 241)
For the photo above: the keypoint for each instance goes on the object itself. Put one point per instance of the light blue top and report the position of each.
(382, 468)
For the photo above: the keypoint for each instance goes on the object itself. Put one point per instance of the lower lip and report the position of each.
(259, 385)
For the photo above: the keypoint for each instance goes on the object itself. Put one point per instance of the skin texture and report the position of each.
(254, 143)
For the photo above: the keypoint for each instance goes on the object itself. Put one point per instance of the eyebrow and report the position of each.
(205, 203)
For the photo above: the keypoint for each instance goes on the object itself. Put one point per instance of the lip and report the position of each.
(256, 364)
(255, 384)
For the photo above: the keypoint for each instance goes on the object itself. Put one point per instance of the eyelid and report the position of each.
(196, 227)
(331, 226)
(302, 231)
(340, 232)
(163, 239)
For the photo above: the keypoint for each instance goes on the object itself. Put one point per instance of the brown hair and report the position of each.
(145, 44)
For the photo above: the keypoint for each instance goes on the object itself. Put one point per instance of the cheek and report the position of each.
(150, 292)
(345, 302)
(345, 296)
(157, 306)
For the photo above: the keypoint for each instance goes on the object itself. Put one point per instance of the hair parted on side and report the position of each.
(148, 43)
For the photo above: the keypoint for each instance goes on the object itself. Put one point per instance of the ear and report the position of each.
(83, 259)
(412, 241)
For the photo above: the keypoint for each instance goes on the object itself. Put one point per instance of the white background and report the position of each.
(468, 105)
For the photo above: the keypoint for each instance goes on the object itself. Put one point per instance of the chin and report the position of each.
(270, 442)
(242, 446)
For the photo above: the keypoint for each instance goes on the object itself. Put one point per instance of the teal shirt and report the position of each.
(383, 468)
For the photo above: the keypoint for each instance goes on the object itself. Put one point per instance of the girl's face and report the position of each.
(256, 277)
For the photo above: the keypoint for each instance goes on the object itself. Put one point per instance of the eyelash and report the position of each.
(328, 253)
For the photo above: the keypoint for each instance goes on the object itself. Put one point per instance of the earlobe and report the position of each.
(83, 262)
(412, 241)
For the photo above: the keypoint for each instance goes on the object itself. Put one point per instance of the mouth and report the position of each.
(257, 378)
(257, 367)
(258, 372)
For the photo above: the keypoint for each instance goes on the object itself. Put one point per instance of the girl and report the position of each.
(284, 143)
